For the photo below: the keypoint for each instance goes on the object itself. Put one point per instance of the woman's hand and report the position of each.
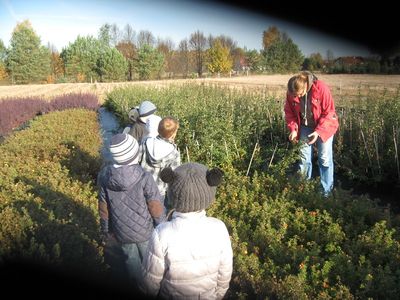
(293, 136)
(312, 138)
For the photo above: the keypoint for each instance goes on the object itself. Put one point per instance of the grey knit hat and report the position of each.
(191, 186)
(133, 114)
(124, 148)
(146, 108)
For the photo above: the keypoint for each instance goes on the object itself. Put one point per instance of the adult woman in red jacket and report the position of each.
(311, 118)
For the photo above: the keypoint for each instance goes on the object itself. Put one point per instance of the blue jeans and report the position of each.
(134, 255)
(325, 159)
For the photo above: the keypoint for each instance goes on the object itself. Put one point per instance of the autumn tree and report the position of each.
(166, 47)
(239, 59)
(219, 59)
(180, 63)
(270, 36)
(27, 60)
(226, 41)
(56, 64)
(128, 50)
(3, 53)
(198, 43)
(280, 53)
(184, 57)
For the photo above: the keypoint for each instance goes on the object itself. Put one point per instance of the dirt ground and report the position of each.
(343, 84)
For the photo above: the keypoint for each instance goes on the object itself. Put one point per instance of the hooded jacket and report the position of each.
(189, 257)
(126, 194)
(323, 110)
(158, 153)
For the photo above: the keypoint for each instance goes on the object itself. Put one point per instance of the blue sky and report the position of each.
(60, 21)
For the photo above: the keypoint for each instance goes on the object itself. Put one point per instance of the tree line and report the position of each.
(125, 55)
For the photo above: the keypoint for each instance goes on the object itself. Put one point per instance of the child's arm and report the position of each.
(225, 269)
(103, 212)
(153, 199)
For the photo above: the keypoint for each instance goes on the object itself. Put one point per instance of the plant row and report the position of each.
(48, 199)
(289, 242)
(15, 112)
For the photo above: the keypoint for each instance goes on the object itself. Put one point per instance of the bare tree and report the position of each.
(184, 57)
(166, 47)
(198, 43)
(129, 35)
(145, 37)
(115, 34)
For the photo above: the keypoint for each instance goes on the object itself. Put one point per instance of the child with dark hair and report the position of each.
(144, 121)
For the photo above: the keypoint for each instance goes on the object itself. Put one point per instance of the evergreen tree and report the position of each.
(253, 60)
(111, 65)
(282, 55)
(313, 62)
(80, 58)
(27, 60)
(105, 34)
(150, 61)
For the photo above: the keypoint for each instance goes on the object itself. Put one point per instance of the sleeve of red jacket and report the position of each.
(328, 122)
(291, 115)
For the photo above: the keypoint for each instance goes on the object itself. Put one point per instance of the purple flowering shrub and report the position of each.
(14, 112)
(73, 100)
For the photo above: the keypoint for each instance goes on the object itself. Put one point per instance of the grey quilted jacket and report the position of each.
(127, 190)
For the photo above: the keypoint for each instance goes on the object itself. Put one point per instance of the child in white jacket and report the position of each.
(189, 256)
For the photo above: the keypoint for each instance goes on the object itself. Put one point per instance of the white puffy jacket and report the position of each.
(189, 257)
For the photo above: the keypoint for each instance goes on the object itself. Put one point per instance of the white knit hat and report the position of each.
(124, 148)
(146, 108)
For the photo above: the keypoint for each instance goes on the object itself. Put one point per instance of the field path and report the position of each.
(342, 84)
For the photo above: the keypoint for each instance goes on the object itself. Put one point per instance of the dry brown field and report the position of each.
(343, 85)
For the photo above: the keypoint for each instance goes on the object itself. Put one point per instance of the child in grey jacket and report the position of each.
(161, 152)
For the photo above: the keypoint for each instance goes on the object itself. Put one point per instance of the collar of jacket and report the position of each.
(189, 215)
(166, 140)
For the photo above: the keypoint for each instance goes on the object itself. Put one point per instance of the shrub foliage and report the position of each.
(48, 203)
(288, 241)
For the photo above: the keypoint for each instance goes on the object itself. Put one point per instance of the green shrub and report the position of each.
(48, 199)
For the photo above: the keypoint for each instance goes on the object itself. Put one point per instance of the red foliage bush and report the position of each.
(14, 112)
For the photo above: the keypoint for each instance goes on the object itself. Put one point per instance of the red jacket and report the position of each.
(323, 109)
